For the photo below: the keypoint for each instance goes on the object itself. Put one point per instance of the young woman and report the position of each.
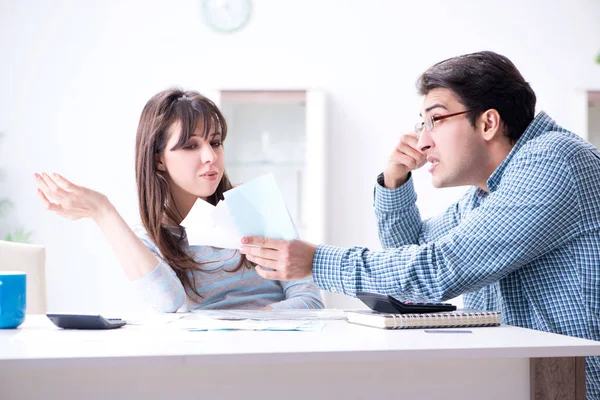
(179, 159)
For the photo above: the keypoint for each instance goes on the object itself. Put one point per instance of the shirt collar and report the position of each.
(540, 124)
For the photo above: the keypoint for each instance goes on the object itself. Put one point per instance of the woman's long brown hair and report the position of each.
(156, 205)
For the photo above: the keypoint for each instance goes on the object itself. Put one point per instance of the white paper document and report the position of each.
(255, 208)
(207, 225)
(274, 315)
(198, 322)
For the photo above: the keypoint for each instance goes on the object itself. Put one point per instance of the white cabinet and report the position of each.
(282, 132)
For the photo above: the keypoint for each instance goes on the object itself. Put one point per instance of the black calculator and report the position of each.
(387, 304)
(80, 321)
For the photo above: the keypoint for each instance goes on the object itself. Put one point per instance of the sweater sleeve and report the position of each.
(301, 293)
(161, 289)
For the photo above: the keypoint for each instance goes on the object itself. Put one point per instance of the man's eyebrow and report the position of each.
(437, 105)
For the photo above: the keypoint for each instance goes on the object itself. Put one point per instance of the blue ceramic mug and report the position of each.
(12, 298)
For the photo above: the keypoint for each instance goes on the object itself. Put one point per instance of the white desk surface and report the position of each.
(39, 344)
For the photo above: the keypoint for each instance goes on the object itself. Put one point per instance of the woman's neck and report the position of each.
(183, 204)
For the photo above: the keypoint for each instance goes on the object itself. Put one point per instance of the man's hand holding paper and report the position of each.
(286, 260)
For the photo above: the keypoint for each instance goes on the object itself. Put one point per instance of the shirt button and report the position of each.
(332, 289)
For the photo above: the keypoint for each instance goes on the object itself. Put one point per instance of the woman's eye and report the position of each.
(190, 146)
(216, 143)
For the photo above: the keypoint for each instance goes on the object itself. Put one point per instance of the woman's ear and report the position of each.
(490, 124)
(160, 164)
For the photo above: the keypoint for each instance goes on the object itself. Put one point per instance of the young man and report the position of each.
(524, 239)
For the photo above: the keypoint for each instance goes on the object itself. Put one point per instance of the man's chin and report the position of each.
(440, 183)
(437, 183)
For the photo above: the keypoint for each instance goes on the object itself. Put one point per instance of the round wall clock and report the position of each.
(226, 15)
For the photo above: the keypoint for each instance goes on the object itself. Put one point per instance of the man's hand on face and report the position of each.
(288, 259)
(405, 158)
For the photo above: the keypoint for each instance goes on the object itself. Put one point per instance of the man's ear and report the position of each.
(160, 164)
(491, 124)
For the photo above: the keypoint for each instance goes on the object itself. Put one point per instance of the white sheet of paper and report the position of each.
(274, 315)
(258, 209)
(207, 225)
(255, 208)
(198, 322)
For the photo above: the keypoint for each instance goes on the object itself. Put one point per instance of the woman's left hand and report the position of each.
(69, 200)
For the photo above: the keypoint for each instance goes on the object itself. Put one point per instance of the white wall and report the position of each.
(74, 76)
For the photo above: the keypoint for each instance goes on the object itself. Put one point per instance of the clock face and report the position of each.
(226, 15)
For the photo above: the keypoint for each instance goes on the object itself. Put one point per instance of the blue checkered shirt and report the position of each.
(530, 247)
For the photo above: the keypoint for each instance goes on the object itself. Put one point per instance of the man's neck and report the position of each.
(497, 154)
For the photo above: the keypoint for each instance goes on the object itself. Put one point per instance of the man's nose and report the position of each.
(425, 142)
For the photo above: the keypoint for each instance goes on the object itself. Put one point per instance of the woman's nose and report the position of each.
(208, 154)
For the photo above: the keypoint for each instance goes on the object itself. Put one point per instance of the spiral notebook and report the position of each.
(451, 319)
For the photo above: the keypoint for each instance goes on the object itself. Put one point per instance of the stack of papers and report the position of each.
(274, 315)
(198, 322)
(255, 208)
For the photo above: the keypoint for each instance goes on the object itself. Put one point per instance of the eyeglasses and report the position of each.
(429, 122)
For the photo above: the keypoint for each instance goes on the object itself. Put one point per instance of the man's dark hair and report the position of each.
(482, 81)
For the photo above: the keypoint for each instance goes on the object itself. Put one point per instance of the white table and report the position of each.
(341, 361)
